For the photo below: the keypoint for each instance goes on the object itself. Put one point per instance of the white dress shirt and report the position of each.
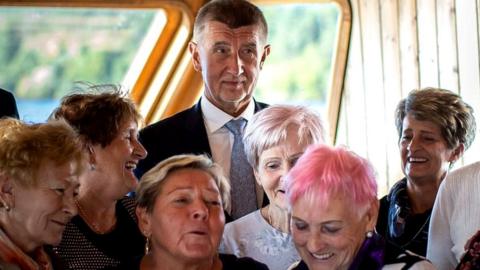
(221, 139)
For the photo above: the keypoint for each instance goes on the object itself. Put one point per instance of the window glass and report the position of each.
(299, 67)
(44, 51)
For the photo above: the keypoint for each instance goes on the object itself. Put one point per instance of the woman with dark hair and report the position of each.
(105, 232)
(435, 126)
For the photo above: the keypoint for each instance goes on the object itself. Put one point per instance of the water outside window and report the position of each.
(44, 51)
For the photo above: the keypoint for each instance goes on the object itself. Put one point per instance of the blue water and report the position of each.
(36, 110)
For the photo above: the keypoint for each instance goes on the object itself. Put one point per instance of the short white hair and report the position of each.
(268, 128)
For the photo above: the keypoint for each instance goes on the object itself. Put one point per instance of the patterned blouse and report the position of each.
(252, 236)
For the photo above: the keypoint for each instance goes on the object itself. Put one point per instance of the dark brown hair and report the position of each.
(233, 13)
(442, 107)
(98, 114)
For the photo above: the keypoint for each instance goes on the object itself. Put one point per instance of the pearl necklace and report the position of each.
(93, 225)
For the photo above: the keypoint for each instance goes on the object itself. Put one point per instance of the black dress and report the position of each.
(83, 249)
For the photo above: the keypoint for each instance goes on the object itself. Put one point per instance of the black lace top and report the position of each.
(81, 248)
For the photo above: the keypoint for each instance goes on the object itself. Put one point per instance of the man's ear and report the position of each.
(193, 48)
(144, 221)
(7, 199)
(457, 153)
(266, 52)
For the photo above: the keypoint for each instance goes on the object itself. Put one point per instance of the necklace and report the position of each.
(93, 225)
(418, 232)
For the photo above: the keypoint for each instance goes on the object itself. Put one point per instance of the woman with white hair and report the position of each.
(274, 139)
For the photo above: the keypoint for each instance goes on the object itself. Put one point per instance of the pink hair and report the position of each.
(324, 171)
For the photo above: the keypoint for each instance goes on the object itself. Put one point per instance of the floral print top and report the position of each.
(252, 236)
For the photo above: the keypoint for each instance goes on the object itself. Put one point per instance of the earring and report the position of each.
(92, 167)
(5, 205)
(369, 234)
(147, 245)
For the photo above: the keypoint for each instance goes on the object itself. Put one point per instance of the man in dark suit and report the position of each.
(8, 106)
(229, 48)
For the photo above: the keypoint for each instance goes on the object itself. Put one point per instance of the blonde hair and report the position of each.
(24, 147)
(152, 181)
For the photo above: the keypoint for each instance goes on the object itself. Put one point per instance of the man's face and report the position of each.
(230, 61)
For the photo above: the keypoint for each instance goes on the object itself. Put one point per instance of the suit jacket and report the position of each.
(182, 133)
(8, 106)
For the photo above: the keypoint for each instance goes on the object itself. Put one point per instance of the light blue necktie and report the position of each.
(244, 199)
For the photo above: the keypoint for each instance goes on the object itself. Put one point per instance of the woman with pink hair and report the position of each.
(332, 194)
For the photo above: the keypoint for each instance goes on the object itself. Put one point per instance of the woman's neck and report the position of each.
(421, 197)
(97, 185)
(277, 217)
(99, 214)
(16, 237)
(161, 261)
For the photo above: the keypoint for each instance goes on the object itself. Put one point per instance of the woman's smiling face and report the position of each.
(424, 152)
(274, 163)
(329, 236)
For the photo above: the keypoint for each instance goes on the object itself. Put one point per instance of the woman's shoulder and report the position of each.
(232, 262)
(254, 217)
(299, 265)
(127, 203)
(244, 225)
(465, 172)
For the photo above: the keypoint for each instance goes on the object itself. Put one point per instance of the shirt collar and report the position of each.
(216, 118)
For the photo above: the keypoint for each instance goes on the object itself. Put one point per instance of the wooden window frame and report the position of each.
(340, 57)
(182, 78)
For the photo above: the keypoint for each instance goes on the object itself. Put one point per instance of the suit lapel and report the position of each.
(195, 125)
